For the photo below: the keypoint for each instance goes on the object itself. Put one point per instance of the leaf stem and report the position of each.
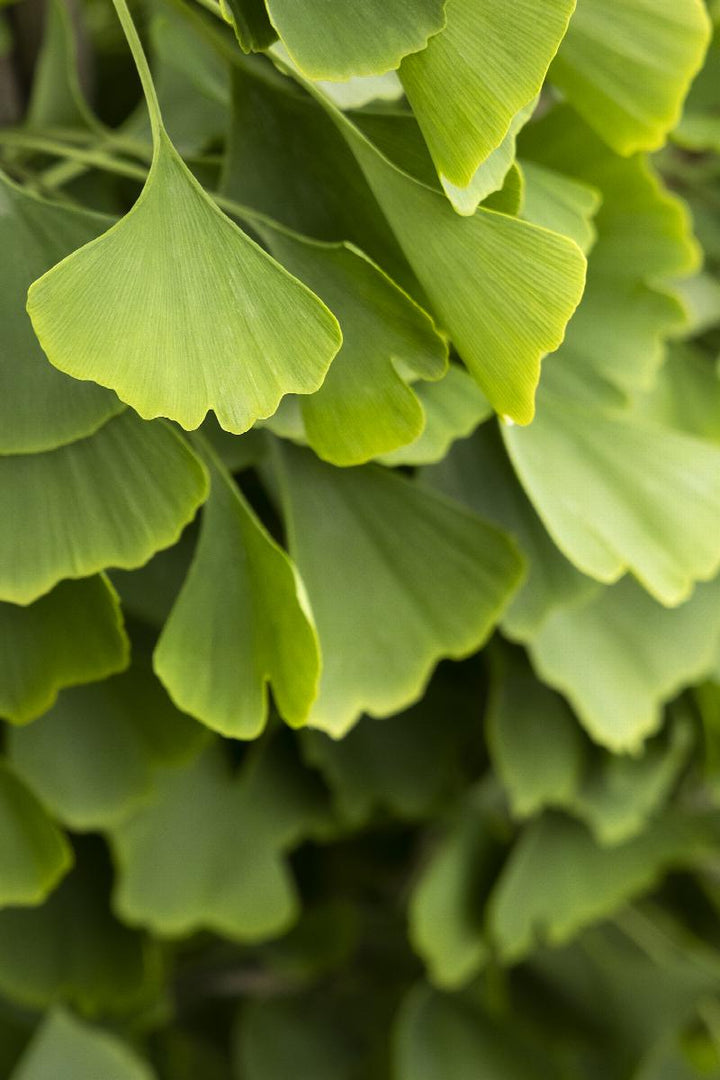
(143, 68)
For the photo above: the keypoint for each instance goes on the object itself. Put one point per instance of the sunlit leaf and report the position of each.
(428, 580)
(471, 80)
(239, 624)
(34, 854)
(559, 203)
(72, 635)
(40, 408)
(112, 499)
(335, 41)
(627, 67)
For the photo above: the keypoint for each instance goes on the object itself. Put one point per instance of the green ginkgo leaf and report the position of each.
(65, 1047)
(250, 21)
(627, 67)
(428, 580)
(535, 896)
(618, 655)
(560, 203)
(72, 635)
(34, 854)
(471, 80)
(699, 127)
(201, 317)
(365, 407)
(240, 623)
(40, 408)
(477, 473)
(599, 480)
(112, 499)
(122, 730)
(685, 394)
(502, 288)
(57, 99)
(454, 406)
(72, 949)
(337, 40)
(208, 852)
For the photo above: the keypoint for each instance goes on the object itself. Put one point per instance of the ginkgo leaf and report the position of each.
(477, 473)
(240, 623)
(685, 394)
(544, 759)
(289, 1037)
(123, 729)
(208, 852)
(502, 288)
(65, 1047)
(57, 99)
(72, 949)
(454, 406)
(250, 21)
(699, 126)
(428, 580)
(335, 41)
(201, 317)
(365, 406)
(560, 203)
(600, 480)
(471, 80)
(535, 896)
(112, 499)
(645, 243)
(446, 911)
(72, 635)
(40, 408)
(627, 69)
(34, 855)
(618, 655)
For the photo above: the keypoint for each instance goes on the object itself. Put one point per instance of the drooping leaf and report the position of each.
(428, 580)
(112, 499)
(477, 473)
(557, 880)
(446, 913)
(239, 624)
(66, 1047)
(40, 408)
(251, 23)
(93, 758)
(454, 406)
(72, 635)
(72, 950)
(471, 80)
(618, 655)
(208, 852)
(525, 280)
(201, 317)
(627, 68)
(599, 480)
(365, 407)
(34, 854)
(335, 41)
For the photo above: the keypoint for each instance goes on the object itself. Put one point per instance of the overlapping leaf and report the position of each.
(112, 499)
(428, 580)
(64, 1046)
(73, 634)
(34, 855)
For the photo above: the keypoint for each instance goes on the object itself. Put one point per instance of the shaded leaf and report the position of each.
(72, 635)
(239, 624)
(34, 854)
(40, 408)
(251, 23)
(112, 499)
(427, 579)
(66, 1047)
(288, 1038)
(559, 203)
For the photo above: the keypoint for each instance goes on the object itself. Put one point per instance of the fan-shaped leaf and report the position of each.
(112, 499)
(66, 1047)
(239, 623)
(72, 635)
(487, 64)
(397, 578)
(34, 854)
